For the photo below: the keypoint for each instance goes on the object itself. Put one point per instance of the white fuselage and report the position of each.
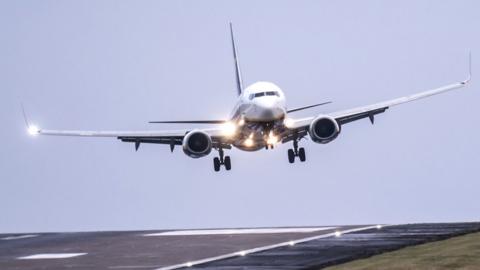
(259, 114)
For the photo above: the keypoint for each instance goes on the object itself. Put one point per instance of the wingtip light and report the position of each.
(469, 78)
(33, 130)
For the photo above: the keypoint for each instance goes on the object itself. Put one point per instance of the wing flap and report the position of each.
(358, 116)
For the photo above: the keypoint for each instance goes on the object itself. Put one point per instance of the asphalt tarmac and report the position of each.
(254, 248)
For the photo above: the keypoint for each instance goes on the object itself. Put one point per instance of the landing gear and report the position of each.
(216, 164)
(301, 154)
(227, 163)
(291, 156)
(221, 160)
(296, 152)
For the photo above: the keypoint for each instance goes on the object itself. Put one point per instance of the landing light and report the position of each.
(241, 122)
(338, 234)
(33, 130)
(249, 141)
(229, 129)
(272, 139)
(379, 227)
(242, 253)
(291, 243)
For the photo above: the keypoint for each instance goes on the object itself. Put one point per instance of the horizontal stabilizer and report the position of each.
(308, 107)
(190, 122)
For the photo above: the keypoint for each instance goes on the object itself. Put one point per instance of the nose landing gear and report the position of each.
(296, 152)
(221, 160)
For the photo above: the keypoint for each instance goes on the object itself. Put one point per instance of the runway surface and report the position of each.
(253, 248)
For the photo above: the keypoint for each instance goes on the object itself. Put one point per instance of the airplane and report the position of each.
(260, 120)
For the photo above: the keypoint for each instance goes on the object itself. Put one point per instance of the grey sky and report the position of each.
(118, 64)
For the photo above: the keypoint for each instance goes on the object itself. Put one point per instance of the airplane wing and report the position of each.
(170, 137)
(190, 122)
(299, 127)
(308, 107)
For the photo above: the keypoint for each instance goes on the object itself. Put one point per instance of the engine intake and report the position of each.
(197, 144)
(324, 129)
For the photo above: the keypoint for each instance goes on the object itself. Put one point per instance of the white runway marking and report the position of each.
(253, 250)
(19, 237)
(51, 256)
(240, 231)
(132, 267)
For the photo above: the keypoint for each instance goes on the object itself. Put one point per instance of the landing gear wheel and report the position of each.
(291, 156)
(301, 154)
(222, 160)
(216, 164)
(227, 163)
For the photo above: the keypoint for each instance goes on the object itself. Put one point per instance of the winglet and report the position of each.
(31, 129)
(469, 69)
(25, 118)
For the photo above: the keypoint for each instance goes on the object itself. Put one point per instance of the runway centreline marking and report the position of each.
(240, 231)
(51, 256)
(258, 249)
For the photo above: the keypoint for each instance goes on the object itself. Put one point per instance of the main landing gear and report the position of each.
(296, 152)
(221, 160)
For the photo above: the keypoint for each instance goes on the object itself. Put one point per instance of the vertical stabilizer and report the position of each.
(238, 74)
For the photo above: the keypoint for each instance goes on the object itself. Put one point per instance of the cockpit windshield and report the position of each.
(261, 94)
(272, 93)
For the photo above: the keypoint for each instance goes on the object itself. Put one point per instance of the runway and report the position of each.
(250, 248)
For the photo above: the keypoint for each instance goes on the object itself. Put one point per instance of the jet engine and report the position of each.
(197, 144)
(324, 129)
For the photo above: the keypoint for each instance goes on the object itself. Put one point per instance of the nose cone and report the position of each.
(268, 109)
(265, 103)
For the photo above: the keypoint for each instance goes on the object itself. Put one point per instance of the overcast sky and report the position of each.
(114, 65)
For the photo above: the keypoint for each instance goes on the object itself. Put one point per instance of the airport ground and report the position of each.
(309, 248)
(461, 252)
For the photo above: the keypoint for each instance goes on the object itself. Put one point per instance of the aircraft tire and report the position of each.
(216, 164)
(301, 154)
(228, 163)
(291, 156)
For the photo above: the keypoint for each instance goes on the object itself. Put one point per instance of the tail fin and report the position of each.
(238, 74)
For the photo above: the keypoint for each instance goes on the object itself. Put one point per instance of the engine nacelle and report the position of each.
(324, 129)
(197, 144)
